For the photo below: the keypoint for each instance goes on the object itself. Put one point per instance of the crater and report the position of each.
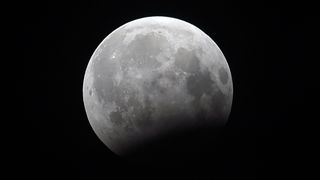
(142, 50)
(187, 61)
(197, 85)
(219, 106)
(223, 75)
(143, 115)
(116, 118)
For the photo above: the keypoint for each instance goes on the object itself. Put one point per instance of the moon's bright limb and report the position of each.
(152, 76)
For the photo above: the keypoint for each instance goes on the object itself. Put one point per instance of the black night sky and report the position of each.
(271, 132)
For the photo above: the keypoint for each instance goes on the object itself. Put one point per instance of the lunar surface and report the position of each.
(154, 76)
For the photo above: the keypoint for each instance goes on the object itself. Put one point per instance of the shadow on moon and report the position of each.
(183, 148)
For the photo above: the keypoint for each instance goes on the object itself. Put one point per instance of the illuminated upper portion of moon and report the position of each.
(154, 75)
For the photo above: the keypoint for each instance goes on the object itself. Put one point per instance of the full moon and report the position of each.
(155, 76)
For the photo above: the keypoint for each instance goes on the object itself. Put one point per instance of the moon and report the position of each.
(154, 76)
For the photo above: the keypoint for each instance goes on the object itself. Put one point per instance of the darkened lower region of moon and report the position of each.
(153, 76)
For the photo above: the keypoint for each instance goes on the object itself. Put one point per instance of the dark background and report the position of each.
(272, 130)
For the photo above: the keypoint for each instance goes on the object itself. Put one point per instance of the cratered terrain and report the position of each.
(154, 76)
